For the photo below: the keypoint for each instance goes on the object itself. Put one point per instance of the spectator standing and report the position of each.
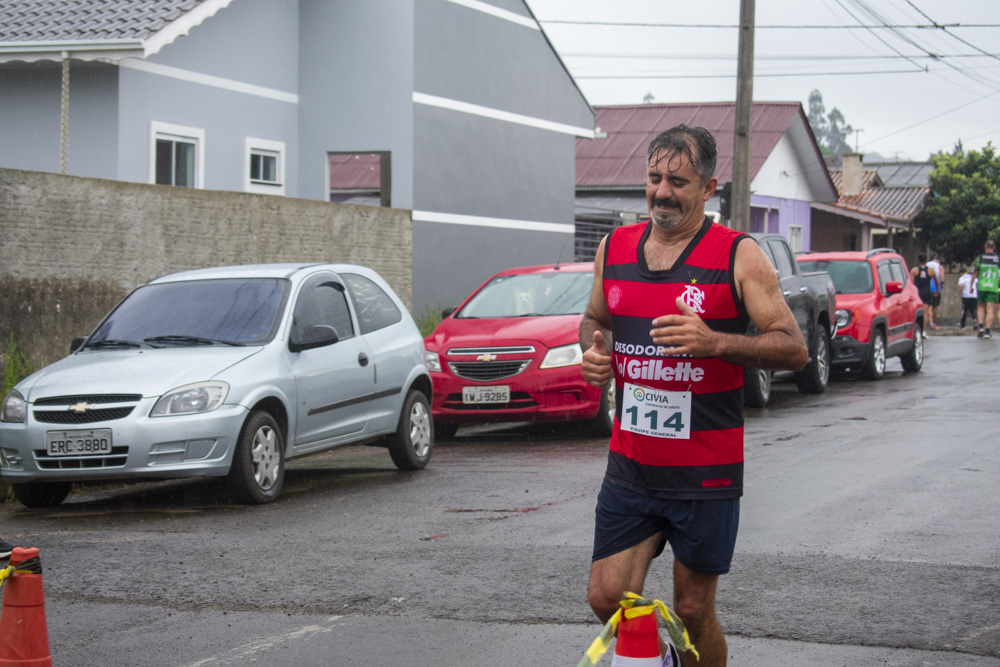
(923, 278)
(967, 285)
(987, 275)
(937, 284)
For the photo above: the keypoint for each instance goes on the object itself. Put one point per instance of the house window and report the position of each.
(265, 166)
(177, 155)
(795, 237)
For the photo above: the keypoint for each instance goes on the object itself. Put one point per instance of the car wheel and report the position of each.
(411, 445)
(258, 469)
(756, 387)
(41, 494)
(604, 422)
(914, 359)
(816, 375)
(445, 431)
(874, 367)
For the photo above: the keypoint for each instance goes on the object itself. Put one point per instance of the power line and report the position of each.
(756, 75)
(641, 24)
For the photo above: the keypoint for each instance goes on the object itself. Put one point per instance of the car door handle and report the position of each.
(803, 289)
(786, 292)
(362, 359)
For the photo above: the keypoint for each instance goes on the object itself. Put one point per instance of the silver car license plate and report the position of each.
(498, 394)
(78, 443)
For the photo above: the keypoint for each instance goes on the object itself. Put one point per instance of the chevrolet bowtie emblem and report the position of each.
(486, 357)
(80, 407)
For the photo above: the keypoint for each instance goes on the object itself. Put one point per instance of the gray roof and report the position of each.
(65, 20)
(902, 174)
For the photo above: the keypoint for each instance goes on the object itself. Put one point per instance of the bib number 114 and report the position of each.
(657, 413)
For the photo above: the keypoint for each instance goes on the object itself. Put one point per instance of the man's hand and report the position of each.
(685, 333)
(597, 362)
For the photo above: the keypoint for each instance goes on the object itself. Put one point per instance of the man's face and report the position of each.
(674, 191)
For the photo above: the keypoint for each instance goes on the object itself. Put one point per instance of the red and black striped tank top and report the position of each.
(678, 430)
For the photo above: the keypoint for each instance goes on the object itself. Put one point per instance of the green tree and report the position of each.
(830, 129)
(963, 209)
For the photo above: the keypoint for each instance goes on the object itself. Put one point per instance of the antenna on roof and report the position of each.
(559, 256)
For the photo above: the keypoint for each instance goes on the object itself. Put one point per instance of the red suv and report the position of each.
(510, 352)
(879, 314)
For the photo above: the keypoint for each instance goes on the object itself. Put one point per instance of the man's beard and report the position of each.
(668, 219)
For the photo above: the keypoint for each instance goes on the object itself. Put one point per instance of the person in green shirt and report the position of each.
(987, 277)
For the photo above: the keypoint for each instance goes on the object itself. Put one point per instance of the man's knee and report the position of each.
(603, 602)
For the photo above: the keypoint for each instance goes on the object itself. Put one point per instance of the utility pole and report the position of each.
(744, 104)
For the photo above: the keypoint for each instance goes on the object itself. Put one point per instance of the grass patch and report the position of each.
(430, 318)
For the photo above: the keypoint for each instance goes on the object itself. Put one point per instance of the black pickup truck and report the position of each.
(812, 299)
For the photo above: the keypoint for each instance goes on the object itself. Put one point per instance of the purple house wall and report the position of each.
(777, 216)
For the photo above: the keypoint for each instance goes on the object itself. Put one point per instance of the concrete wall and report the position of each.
(71, 247)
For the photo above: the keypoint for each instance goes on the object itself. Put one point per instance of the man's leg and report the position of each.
(625, 571)
(694, 602)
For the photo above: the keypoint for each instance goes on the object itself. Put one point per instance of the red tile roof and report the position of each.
(619, 160)
(354, 171)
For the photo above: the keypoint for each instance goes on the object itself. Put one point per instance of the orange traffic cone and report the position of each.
(638, 643)
(24, 639)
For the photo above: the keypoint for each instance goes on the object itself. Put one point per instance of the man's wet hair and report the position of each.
(679, 140)
(921, 258)
(990, 244)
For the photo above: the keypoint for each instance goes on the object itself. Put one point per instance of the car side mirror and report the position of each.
(76, 344)
(894, 287)
(316, 335)
(448, 311)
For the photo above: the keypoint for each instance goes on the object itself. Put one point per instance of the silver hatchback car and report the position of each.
(229, 371)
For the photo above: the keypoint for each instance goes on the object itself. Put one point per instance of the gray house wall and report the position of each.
(30, 111)
(492, 169)
(356, 92)
(252, 42)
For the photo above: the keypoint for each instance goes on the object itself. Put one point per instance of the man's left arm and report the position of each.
(778, 346)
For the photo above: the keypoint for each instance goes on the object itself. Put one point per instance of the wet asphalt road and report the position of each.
(869, 536)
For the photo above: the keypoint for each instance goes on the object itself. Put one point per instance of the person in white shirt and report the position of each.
(969, 301)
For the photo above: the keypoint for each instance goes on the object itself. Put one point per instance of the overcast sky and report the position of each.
(912, 91)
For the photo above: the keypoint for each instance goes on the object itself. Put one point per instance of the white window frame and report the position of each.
(193, 135)
(268, 147)
(795, 238)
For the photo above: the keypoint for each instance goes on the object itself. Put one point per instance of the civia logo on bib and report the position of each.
(694, 297)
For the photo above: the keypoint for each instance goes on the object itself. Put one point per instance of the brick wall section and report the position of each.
(71, 248)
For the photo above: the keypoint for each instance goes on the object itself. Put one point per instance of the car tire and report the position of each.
(604, 422)
(41, 494)
(257, 472)
(445, 431)
(874, 367)
(914, 359)
(814, 378)
(756, 387)
(411, 445)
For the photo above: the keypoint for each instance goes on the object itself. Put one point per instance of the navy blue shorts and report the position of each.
(702, 533)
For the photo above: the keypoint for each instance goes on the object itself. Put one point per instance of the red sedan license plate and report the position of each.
(78, 443)
(500, 394)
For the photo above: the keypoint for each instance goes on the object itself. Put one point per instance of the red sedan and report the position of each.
(510, 353)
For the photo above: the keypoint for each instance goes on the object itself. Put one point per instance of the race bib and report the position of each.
(657, 413)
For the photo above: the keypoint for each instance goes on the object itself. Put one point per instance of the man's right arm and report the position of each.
(595, 329)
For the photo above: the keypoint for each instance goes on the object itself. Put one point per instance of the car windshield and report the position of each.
(200, 312)
(849, 276)
(530, 295)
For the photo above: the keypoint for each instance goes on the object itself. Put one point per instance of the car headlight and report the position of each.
(191, 399)
(14, 408)
(565, 355)
(843, 318)
(432, 361)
